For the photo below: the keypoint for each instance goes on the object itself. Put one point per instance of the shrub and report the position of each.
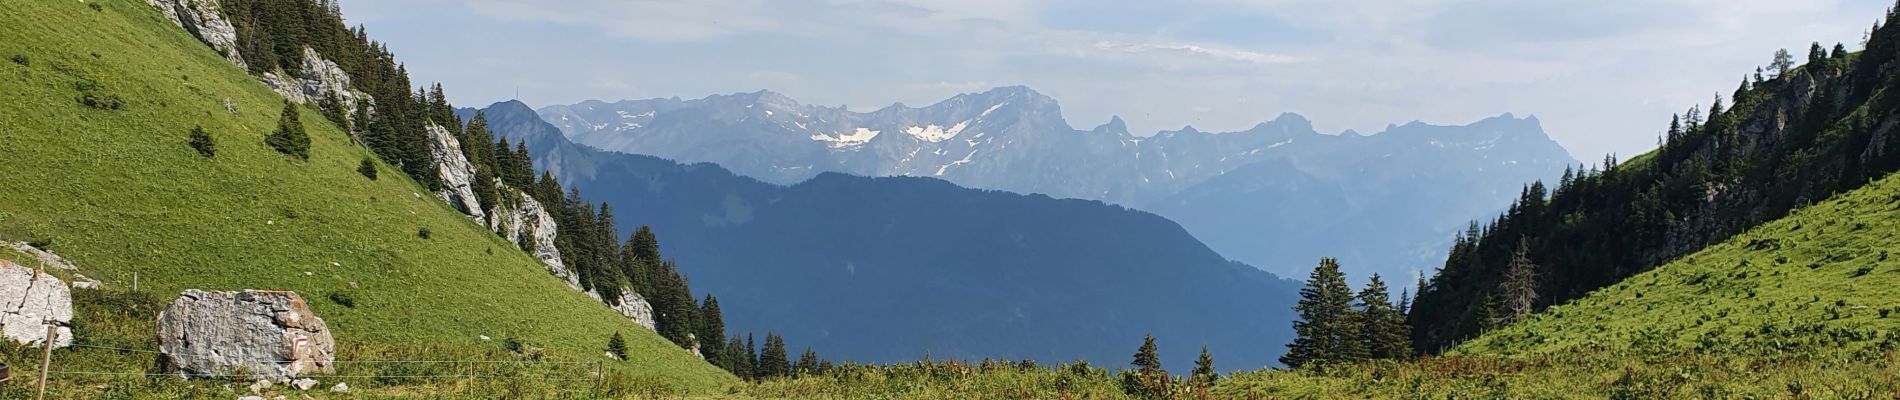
(96, 6)
(367, 168)
(617, 346)
(290, 138)
(343, 299)
(422, 233)
(20, 59)
(92, 94)
(202, 142)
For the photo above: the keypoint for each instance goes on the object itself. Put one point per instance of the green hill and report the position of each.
(1818, 282)
(119, 191)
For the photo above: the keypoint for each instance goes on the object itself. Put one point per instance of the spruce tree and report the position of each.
(752, 356)
(712, 324)
(807, 363)
(1147, 359)
(773, 362)
(1204, 368)
(1328, 328)
(1519, 284)
(290, 138)
(617, 346)
(1384, 331)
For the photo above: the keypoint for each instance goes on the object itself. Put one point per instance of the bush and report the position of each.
(202, 142)
(20, 59)
(92, 94)
(96, 6)
(290, 138)
(617, 346)
(344, 299)
(367, 168)
(422, 233)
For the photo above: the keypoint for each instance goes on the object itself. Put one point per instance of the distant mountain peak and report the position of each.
(1114, 125)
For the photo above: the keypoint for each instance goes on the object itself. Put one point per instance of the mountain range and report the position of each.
(892, 269)
(1279, 195)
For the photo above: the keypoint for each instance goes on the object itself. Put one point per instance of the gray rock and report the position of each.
(317, 78)
(266, 334)
(303, 383)
(636, 308)
(201, 18)
(251, 398)
(29, 301)
(46, 258)
(341, 388)
(456, 172)
(528, 224)
(80, 281)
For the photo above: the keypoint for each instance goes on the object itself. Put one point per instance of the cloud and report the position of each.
(1200, 50)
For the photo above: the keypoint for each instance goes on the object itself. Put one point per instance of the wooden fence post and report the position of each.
(46, 356)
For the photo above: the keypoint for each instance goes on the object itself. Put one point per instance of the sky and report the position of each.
(1603, 76)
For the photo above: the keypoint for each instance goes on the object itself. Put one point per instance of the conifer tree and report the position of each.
(1204, 368)
(752, 356)
(807, 363)
(772, 359)
(617, 346)
(1385, 333)
(712, 326)
(1328, 328)
(1519, 284)
(1147, 358)
(290, 137)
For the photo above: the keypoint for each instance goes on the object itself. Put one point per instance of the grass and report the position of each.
(1807, 306)
(119, 191)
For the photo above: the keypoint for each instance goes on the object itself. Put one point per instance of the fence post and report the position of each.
(600, 373)
(46, 356)
(135, 281)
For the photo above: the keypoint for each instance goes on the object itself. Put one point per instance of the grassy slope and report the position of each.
(119, 192)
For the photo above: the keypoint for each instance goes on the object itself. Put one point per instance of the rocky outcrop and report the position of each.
(634, 307)
(44, 257)
(456, 173)
(255, 333)
(314, 80)
(527, 224)
(29, 301)
(201, 18)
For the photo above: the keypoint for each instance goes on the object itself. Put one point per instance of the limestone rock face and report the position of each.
(201, 18)
(529, 225)
(636, 308)
(264, 334)
(29, 301)
(315, 79)
(458, 175)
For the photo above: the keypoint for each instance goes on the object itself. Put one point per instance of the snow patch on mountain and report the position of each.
(847, 141)
(933, 133)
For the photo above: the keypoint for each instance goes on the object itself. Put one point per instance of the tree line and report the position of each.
(1791, 135)
(272, 35)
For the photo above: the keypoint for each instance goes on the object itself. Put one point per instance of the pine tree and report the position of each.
(1328, 328)
(1146, 358)
(1204, 368)
(807, 363)
(1783, 63)
(712, 326)
(1487, 316)
(617, 346)
(1383, 327)
(772, 359)
(1519, 284)
(290, 137)
(757, 368)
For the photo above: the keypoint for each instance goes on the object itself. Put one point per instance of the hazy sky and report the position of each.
(1603, 75)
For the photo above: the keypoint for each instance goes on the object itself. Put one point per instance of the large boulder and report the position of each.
(316, 78)
(635, 308)
(31, 300)
(257, 333)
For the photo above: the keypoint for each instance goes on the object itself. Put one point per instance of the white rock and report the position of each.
(303, 383)
(483, 337)
(267, 334)
(529, 222)
(632, 306)
(201, 18)
(456, 173)
(260, 386)
(316, 79)
(80, 281)
(29, 300)
(44, 257)
(340, 387)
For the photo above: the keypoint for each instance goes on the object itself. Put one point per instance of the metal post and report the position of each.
(46, 356)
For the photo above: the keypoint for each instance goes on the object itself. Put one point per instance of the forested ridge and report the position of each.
(272, 36)
(1792, 136)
